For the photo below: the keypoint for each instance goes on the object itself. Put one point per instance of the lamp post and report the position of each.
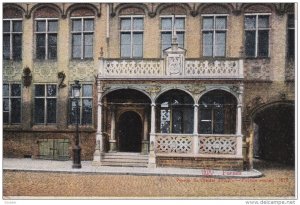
(76, 150)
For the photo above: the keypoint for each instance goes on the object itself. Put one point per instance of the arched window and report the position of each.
(82, 30)
(175, 111)
(217, 113)
(46, 28)
(131, 33)
(12, 33)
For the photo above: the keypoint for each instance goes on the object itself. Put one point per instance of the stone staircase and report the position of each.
(125, 159)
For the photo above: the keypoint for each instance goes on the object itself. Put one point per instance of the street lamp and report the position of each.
(76, 150)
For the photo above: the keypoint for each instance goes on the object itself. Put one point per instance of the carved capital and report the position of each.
(195, 89)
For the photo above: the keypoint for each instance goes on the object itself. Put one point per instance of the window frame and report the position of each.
(214, 30)
(256, 33)
(9, 96)
(172, 29)
(11, 33)
(82, 32)
(81, 98)
(288, 54)
(131, 31)
(46, 32)
(45, 97)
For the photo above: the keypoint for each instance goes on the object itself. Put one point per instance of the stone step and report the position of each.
(123, 164)
(125, 159)
(125, 154)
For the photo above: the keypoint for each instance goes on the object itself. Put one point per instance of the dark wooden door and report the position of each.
(130, 130)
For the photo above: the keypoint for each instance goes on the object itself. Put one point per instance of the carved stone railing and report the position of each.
(173, 143)
(132, 68)
(162, 68)
(213, 69)
(202, 145)
(217, 144)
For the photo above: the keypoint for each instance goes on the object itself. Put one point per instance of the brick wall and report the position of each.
(203, 163)
(25, 144)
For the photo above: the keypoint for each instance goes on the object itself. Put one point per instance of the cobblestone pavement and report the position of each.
(278, 181)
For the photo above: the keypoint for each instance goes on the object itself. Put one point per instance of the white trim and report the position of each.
(253, 14)
(82, 17)
(214, 15)
(129, 16)
(38, 19)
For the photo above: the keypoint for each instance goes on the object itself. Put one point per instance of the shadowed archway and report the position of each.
(274, 134)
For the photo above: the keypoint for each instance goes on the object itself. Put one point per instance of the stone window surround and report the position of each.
(11, 32)
(82, 32)
(131, 33)
(173, 22)
(14, 97)
(214, 31)
(46, 32)
(45, 97)
(256, 33)
(81, 98)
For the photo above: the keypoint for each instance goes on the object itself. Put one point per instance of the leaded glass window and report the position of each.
(214, 30)
(45, 103)
(257, 35)
(168, 24)
(46, 38)
(132, 33)
(176, 112)
(11, 103)
(82, 37)
(85, 105)
(12, 39)
(291, 36)
(217, 113)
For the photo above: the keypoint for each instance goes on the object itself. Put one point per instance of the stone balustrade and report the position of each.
(160, 68)
(206, 144)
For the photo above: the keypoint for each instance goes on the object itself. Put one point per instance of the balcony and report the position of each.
(174, 65)
(160, 68)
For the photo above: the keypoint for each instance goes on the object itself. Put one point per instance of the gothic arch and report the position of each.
(123, 6)
(259, 7)
(263, 106)
(228, 90)
(169, 89)
(47, 5)
(123, 88)
(76, 6)
(163, 6)
(14, 6)
(215, 8)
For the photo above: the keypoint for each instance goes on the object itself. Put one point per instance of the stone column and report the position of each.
(195, 137)
(239, 120)
(239, 110)
(145, 142)
(152, 161)
(99, 149)
(112, 140)
(239, 140)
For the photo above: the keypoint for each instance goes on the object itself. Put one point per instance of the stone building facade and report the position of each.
(186, 85)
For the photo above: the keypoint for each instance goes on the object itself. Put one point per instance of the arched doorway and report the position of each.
(130, 132)
(274, 134)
